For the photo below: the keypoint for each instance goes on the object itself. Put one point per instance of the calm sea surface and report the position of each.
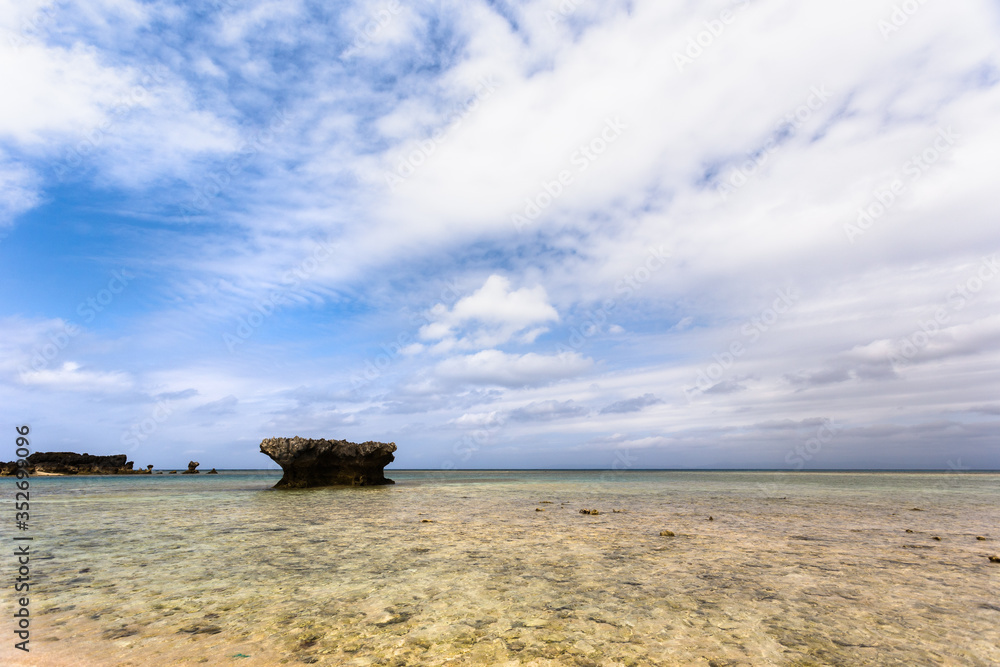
(501, 568)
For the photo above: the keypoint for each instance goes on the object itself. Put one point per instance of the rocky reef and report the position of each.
(308, 463)
(192, 468)
(71, 463)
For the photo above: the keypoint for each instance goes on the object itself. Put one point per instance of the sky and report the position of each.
(539, 234)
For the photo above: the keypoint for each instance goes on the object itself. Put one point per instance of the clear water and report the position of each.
(793, 569)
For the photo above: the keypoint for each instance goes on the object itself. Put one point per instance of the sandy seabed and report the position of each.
(503, 569)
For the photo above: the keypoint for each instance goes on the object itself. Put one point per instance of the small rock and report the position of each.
(994, 559)
(119, 633)
(201, 629)
(936, 538)
(213, 471)
(908, 530)
(539, 509)
(545, 502)
(426, 521)
(594, 512)
(666, 533)
(711, 519)
(980, 538)
(916, 509)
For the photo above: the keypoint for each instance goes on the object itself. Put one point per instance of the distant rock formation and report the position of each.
(71, 463)
(308, 463)
(213, 471)
(192, 468)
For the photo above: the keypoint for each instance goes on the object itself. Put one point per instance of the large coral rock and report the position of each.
(329, 462)
(71, 463)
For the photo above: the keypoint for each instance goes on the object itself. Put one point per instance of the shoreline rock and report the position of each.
(71, 463)
(309, 463)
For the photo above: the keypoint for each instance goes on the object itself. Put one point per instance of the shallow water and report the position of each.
(793, 569)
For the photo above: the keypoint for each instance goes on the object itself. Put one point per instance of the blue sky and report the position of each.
(504, 235)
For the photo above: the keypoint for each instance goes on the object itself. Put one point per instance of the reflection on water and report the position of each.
(462, 568)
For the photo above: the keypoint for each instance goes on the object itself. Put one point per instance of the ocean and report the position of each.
(502, 568)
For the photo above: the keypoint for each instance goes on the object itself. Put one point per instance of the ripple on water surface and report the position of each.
(502, 568)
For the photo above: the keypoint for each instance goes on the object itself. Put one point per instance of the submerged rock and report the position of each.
(307, 463)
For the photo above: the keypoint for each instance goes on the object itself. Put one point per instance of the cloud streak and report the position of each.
(213, 148)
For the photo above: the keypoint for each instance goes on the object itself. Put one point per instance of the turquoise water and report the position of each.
(500, 567)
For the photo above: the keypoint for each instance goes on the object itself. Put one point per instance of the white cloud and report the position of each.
(478, 419)
(547, 411)
(19, 190)
(490, 316)
(512, 370)
(70, 376)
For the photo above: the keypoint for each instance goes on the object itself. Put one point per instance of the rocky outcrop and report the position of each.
(71, 463)
(307, 463)
(192, 468)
